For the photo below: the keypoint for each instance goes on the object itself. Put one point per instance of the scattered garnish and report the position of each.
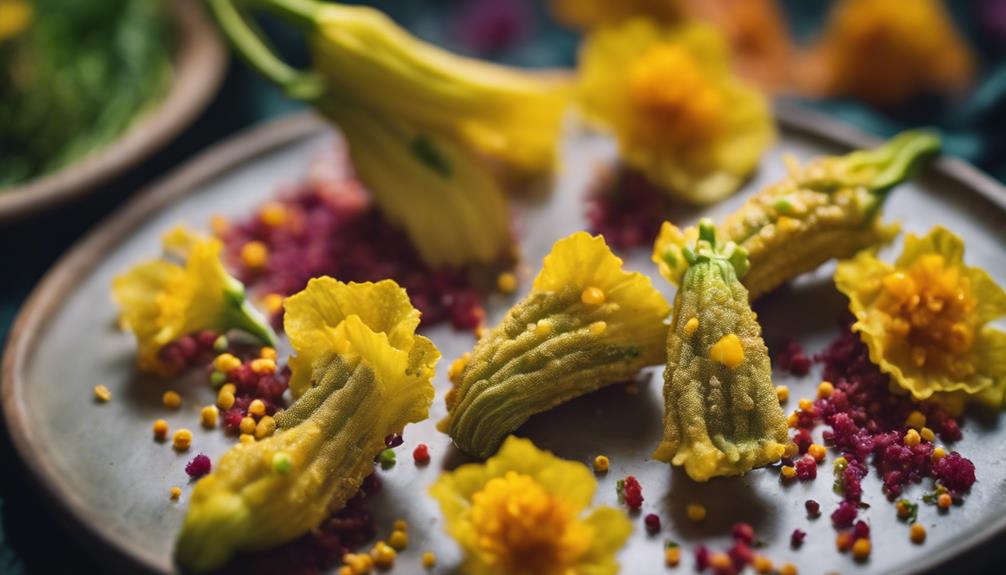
(199, 466)
(102, 393)
(182, 439)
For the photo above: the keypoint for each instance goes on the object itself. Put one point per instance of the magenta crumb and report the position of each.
(797, 537)
(199, 466)
(813, 508)
(652, 522)
(743, 532)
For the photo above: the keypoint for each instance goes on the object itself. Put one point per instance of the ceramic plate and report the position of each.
(200, 62)
(99, 464)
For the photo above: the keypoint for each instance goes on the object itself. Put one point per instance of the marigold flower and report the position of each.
(161, 301)
(679, 114)
(887, 52)
(925, 319)
(522, 512)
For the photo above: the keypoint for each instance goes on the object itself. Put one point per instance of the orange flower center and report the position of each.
(524, 529)
(679, 104)
(930, 306)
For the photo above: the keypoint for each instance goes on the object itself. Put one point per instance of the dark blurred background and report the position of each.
(520, 32)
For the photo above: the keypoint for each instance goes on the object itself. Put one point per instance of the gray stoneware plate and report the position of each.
(100, 466)
(199, 66)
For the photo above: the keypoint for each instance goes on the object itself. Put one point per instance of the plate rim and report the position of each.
(46, 297)
(199, 62)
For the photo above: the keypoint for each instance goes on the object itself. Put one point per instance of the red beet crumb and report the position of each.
(331, 227)
(652, 522)
(701, 558)
(797, 537)
(199, 466)
(625, 208)
(955, 472)
(740, 555)
(793, 359)
(866, 424)
(421, 454)
(861, 530)
(189, 350)
(743, 532)
(813, 508)
(631, 492)
(806, 468)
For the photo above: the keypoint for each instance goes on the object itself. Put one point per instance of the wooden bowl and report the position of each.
(200, 62)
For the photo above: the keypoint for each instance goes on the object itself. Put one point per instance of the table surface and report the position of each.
(31, 538)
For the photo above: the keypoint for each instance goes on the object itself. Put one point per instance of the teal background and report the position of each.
(32, 541)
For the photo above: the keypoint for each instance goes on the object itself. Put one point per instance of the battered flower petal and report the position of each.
(924, 319)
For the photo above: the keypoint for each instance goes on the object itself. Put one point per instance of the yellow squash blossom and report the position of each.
(161, 301)
(434, 136)
(679, 114)
(369, 376)
(521, 513)
(925, 319)
(886, 52)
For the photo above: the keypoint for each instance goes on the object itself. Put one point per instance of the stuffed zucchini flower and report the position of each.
(432, 135)
(925, 319)
(367, 376)
(587, 323)
(162, 300)
(522, 512)
(827, 209)
(721, 412)
(680, 115)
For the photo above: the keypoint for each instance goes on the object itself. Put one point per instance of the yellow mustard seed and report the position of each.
(806, 405)
(263, 366)
(506, 283)
(543, 327)
(825, 389)
(728, 351)
(219, 225)
(917, 533)
(601, 464)
(360, 563)
(598, 327)
(861, 549)
(182, 439)
(267, 353)
(256, 408)
(457, 368)
(429, 560)
(208, 416)
(944, 501)
(265, 427)
(782, 392)
(254, 254)
(915, 420)
(787, 471)
(720, 562)
(912, 438)
(843, 541)
(817, 451)
(171, 399)
(175, 493)
(927, 434)
(383, 555)
(672, 556)
(792, 419)
(939, 453)
(762, 564)
(273, 214)
(273, 303)
(788, 569)
(226, 363)
(592, 296)
(398, 540)
(790, 449)
(247, 424)
(228, 388)
(696, 512)
(160, 430)
(691, 326)
(102, 393)
(246, 438)
(225, 399)
(400, 525)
